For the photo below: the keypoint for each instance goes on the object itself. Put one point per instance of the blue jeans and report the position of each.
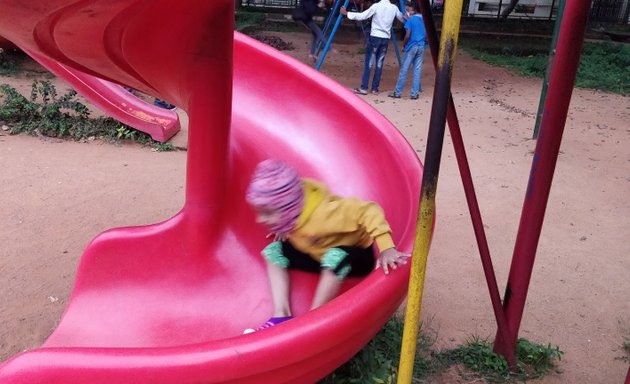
(317, 35)
(376, 46)
(414, 55)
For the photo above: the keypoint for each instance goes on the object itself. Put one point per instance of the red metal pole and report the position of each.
(555, 111)
(469, 189)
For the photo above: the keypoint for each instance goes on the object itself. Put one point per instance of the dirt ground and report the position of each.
(57, 195)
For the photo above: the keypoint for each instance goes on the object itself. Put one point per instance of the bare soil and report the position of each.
(57, 195)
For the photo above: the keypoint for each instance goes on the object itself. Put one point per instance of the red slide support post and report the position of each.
(555, 111)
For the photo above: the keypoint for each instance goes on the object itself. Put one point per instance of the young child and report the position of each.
(317, 232)
(304, 13)
(414, 43)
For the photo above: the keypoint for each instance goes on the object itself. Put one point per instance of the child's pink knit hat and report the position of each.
(276, 185)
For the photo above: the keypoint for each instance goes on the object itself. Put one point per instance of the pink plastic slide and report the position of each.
(116, 101)
(167, 303)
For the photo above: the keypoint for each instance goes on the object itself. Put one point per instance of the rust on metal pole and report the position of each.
(562, 79)
(426, 209)
(469, 190)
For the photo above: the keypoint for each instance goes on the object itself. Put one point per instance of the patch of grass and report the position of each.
(504, 45)
(10, 63)
(477, 355)
(603, 66)
(378, 361)
(48, 114)
(624, 328)
(507, 26)
(533, 360)
(244, 21)
(250, 22)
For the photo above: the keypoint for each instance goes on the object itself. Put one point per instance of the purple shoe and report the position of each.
(273, 321)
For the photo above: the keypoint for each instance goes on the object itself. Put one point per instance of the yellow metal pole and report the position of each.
(426, 209)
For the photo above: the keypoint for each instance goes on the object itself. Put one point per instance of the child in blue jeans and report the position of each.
(317, 232)
(414, 44)
(383, 14)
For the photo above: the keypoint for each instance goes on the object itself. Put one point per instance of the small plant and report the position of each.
(126, 133)
(378, 361)
(477, 355)
(48, 114)
(164, 147)
(9, 64)
(624, 328)
(533, 360)
(245, 21)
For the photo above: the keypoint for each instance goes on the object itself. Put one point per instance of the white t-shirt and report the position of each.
(382, 14)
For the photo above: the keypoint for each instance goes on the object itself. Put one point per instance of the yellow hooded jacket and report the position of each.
(329, 221)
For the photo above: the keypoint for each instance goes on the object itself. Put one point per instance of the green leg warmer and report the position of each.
(331, 260)
(273, 254)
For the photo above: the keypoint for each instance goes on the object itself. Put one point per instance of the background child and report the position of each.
(316, 232)
(413, 43)
(304, 13)
(383, 14)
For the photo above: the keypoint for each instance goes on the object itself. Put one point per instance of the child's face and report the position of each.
(268, 217)
(409, 9)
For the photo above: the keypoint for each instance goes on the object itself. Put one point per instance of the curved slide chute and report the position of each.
(115, 101)
(167, 303)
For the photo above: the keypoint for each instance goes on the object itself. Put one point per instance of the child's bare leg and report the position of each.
(327, 288)
(279, 283)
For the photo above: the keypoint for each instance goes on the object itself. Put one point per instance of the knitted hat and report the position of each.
(276, 185)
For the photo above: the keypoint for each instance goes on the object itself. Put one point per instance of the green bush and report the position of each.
(603, 66)
(244, 21)
(378, 361)
(48, 114)
(9, 63)
(532, 360)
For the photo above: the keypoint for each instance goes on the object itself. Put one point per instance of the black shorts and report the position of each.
(361, 260)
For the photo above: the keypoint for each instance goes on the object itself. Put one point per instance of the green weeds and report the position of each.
(9, 63)
(378, 361)
(49, 114)
(253, 21)
(624, 329)
(246, 21)
(533, 360)
(604, 66)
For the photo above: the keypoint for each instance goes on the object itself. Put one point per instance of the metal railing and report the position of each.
(610, 11)
(615, 11)
(270, 3)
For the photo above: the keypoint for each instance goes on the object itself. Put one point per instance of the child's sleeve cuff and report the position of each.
(384, 242)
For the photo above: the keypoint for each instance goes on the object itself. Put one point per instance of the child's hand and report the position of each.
(391, 258)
